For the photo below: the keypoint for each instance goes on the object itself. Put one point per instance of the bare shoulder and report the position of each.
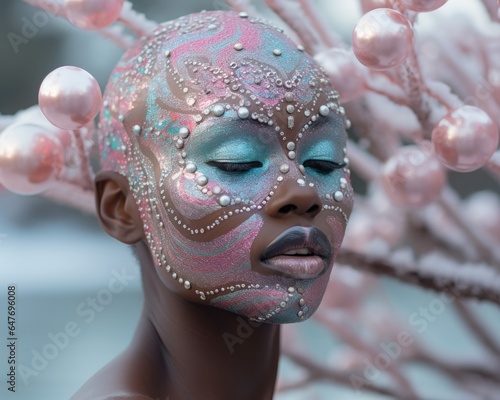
(128, 397)
(128, 377)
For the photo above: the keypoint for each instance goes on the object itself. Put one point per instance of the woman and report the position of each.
(223, 165)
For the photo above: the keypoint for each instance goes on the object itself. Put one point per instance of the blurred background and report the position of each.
(59, 259)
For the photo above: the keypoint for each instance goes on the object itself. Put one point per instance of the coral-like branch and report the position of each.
(136, 22)
(73, 196)
(478, 329)
(321, 372)
(436, 272)
(329, 37)
(243, 6)
(5, 121)
(494, 165)
(117, 35)
(114, 34)
(288, 12)
(350, 338)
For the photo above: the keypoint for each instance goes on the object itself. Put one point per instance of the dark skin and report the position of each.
(178, 351)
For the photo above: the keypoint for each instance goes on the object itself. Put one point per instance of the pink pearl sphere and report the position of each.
(369, 5)
(382, 39)
(30, 159)
(423, 5)
(413, 176)
(465, 139)
(93, 14)
(344, 73)
(69, 97)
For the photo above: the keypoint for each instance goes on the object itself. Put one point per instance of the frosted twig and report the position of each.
(116, 34)
(367, 166)
(72, 195)
(397, 100)
(451, 204)
(5, 121)
(492, 8)
(329, 37)
(290, 13)
(494, 165)
(330, 374)
(86, 172)
(243, 6)
(476, 281)
(355, 342)
(135, 21)
(297, 384)
(477, 328)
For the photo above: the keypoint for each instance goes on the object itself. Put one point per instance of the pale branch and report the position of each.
(494, 166)
(492, 7)
(328, 36)
(477, 328)
(474, 281)
(85, 169)
(353, 340)
(243, 6)
(72, 195)
(136, 22)
(323, 373)
(5, 121)
(297, 384)
(451, 203)
(116, 34)
(362, 162)
(290, 14)
(456, 370)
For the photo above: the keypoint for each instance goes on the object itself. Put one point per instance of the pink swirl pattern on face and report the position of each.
(224, 87)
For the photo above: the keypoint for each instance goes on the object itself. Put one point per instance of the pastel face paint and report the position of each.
(216, 119)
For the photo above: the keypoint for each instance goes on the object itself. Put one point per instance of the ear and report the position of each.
(116, 208)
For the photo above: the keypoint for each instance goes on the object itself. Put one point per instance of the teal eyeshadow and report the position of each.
(218, 142)
(327, 144)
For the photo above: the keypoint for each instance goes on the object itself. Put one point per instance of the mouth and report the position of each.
(298, 252)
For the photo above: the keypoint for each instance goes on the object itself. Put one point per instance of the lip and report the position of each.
(298, 266)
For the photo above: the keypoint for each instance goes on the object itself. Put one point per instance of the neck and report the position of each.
(207, 353)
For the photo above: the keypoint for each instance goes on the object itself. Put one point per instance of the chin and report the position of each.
(275, 303)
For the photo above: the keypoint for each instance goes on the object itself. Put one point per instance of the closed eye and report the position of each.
(323, 166)
(235, 167)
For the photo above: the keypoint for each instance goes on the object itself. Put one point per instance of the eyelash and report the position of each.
(322, 166)
(233, 167)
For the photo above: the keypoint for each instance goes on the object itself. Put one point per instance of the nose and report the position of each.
(291, 198)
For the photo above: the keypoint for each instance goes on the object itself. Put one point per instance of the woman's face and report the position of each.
(237, 162)
(251, 220)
